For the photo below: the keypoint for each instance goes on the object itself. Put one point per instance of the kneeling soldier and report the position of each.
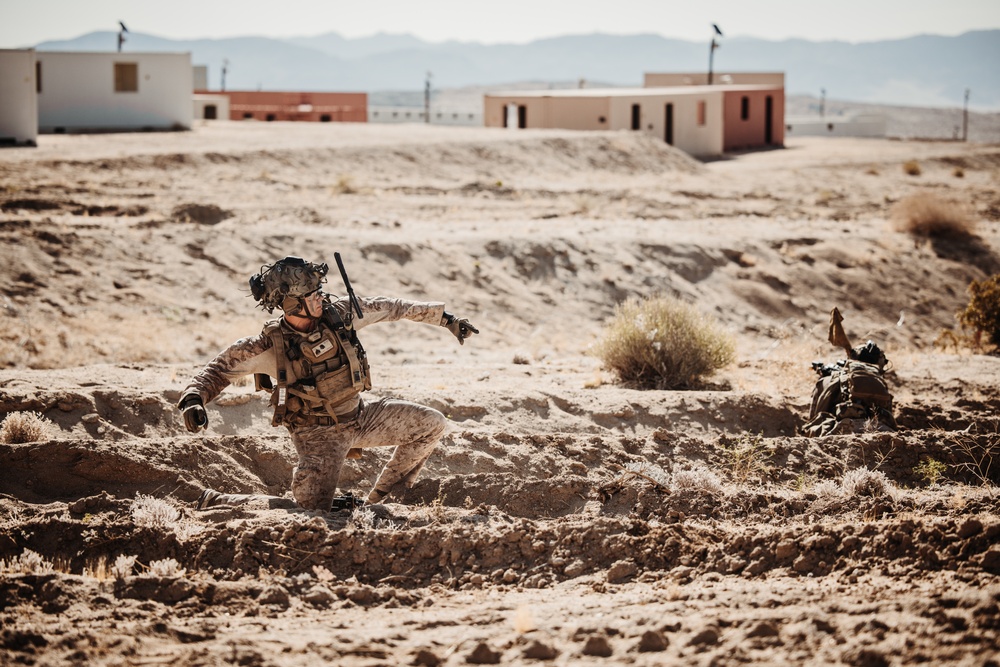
(320, 370)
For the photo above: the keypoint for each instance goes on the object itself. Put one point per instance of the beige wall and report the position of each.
(692, 138)
(567, 113)
(18, 101)
(585, 113)
(78, 92)
(202, 100)
(663, 79)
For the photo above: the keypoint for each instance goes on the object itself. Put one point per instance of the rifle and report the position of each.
(347, 284)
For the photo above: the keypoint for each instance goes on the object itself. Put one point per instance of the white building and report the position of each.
(18, 102)
(856, 125)
(439, 116)
(79, 92)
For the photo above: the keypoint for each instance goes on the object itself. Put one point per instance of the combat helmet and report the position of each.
(284, 283)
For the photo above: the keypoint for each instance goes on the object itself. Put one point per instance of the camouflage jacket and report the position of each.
(255, 354)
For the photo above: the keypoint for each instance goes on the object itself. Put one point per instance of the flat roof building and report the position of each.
(701, 120)
(86, 92)
(296, 106)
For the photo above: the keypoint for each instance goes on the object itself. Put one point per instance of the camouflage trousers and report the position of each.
(414, 429)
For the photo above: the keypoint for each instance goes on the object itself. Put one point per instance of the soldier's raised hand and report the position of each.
(460, 327)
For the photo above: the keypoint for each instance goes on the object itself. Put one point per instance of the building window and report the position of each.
(126, 77)
(702, 112)
(247, 115)
(325, 118)
(38, 76)
(270, 117)
(744, 108)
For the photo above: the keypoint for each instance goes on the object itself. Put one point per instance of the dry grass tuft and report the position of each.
(911, 168)
(150, 512)
(698, 478)
(958, 172)
(29, 562)
(929, 215)
(663, 343)
(865, 482)
(123, 567)
(22, 427)
(747, 459)
(168, 567)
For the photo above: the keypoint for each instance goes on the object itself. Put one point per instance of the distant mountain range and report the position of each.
(926, 70)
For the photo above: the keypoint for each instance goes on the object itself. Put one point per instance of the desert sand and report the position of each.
(565, 519)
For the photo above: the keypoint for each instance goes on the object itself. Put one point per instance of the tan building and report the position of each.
(701, 120)
(670, 79)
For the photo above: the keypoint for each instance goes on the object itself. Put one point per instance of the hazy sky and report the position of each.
(28, 22)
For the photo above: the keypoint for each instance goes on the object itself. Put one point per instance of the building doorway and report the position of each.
(668, 124)
(522, 116)
(211, 112)
(636, 117)
(768, 120)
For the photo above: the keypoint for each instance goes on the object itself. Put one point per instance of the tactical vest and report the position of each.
(328, 368)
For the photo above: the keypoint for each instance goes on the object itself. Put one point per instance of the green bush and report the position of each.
(982, 315)
(663, 343)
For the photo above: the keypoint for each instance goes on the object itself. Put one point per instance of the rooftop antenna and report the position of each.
(711, 51)
(965, 117)
(121, 36)
(225, 68)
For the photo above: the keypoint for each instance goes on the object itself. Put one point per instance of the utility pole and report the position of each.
(225, 68)
(427, 98)
(965, 117)
(711, 51)
(822, 102)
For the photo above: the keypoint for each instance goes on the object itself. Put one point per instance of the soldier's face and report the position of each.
(314, 303)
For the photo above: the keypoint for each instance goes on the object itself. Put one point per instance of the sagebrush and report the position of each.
(22, 427)
(930, 215)
(982, 315)
(663, 343)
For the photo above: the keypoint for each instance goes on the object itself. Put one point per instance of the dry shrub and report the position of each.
(21, 427)
(150, 512)
(123, 566)
(911, 168)
(982, 314)
(698, 478)
(168, 567)
(958, 172)
(29, 562)
(865, 482)
(663, 343)
(927, 214)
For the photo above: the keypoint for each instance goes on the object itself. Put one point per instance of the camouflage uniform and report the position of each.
(322, 448)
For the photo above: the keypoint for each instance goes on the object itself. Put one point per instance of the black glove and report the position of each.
(461, 328)
(193, 410)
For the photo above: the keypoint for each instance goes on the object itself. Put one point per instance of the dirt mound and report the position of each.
(563, 517)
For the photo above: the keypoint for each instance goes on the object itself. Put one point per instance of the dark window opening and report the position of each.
(211, 112)
(602, 119)
(636, 117)
(270, 117)
(59, 130)
(768, 120)
(38, 77)
(829, 127)
(247, 114)
(126, 77)
(668, 124)
(522, 117)
(744, 108)
(325, 118)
